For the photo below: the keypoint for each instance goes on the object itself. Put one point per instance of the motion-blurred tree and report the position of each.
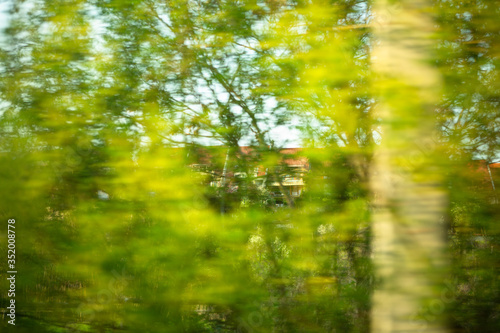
(468, 58)
(105, 104)
(111, 101)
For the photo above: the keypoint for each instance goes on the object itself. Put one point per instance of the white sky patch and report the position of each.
(4, 20)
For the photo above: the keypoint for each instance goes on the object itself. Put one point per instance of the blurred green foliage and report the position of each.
(106, 106)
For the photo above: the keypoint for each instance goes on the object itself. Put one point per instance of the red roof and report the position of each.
(291, 156)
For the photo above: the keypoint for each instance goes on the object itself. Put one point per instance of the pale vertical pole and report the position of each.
(406, 177)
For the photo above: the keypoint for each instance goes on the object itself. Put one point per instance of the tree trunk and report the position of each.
(406, 181)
